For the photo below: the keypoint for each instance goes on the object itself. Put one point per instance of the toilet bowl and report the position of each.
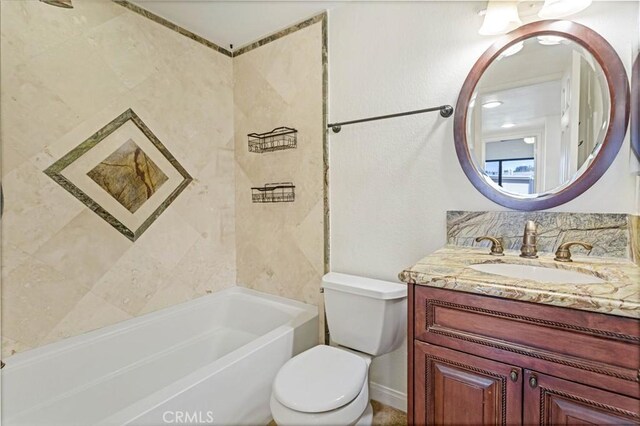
(322, 386)
(328, 385)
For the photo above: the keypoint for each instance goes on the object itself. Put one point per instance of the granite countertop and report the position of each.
(449, 268)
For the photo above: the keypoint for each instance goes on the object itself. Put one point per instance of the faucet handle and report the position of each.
(497, 249)
(563, 254)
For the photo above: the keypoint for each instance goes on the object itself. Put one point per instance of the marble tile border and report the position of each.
(325, 140)
(634, 226)
(166, 23)
(322, 17)
(54, 172)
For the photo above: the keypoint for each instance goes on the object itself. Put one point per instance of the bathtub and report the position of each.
(208, 361)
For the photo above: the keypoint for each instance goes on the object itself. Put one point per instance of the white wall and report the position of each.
(392, 181)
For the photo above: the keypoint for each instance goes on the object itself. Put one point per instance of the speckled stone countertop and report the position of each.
(449, 268)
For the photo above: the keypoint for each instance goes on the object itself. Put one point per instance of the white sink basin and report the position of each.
(537, 273)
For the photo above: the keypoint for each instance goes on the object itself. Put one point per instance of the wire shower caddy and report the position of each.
(282, 192)
(278, 139)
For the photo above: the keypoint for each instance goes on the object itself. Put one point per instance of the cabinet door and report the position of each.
(552, 401)
(455, 388)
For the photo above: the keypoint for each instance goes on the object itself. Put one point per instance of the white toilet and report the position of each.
(329, 385)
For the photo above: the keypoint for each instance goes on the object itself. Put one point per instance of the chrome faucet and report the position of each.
(529, 241)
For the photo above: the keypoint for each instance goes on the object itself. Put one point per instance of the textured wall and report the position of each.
(280, 246)
(65, 74)
(392, 181)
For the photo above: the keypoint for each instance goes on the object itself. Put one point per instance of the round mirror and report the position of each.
(542, 115)
(635, 107)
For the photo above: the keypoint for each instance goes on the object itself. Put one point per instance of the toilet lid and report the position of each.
(321, 379)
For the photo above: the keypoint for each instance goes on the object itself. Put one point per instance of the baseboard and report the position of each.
(388, 396)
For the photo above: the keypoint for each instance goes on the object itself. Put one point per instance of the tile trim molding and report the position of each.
(325, 140)
(54, 172)
(321, 17)
(168, 24)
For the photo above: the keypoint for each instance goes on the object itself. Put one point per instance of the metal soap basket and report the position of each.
(283, 192)
(278, 139)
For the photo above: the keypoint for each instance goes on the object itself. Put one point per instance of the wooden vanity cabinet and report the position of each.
(476, 360)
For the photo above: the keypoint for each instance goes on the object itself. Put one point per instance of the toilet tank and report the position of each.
(365, 314)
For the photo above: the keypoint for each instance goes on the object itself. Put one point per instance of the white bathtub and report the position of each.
(208, 361)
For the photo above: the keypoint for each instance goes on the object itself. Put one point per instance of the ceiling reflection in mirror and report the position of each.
(538, 116)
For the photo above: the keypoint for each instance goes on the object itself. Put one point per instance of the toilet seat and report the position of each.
(321, 386)
(320, 379)
(348, 414)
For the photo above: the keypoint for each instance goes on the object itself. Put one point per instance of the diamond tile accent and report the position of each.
(129, 175)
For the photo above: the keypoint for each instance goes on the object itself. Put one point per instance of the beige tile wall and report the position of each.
(66, 73)
(280, 247)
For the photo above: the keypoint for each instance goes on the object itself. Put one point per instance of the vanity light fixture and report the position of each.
(553, 9)
(549, 40)
(508, 125)
(530, 140)
(512, 50)
(491, 104)
(500, 18)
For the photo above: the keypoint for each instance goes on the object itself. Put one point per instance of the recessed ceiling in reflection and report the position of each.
(549, 40)
(492, 104)
(512, 50)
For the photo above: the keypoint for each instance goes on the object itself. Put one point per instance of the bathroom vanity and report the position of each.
(492, 349)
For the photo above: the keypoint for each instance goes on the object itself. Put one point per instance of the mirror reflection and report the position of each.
(538, 116)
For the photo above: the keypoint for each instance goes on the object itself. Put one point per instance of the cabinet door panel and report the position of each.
(564, 342)
(454, 388)
(553, 401)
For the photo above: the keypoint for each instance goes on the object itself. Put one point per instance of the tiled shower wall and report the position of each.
(65, 74)
(280, 246)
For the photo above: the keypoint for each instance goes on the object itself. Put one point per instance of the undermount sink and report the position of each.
(537, 273)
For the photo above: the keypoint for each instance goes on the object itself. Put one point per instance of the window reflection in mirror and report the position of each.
(511, 164)
(538, 116)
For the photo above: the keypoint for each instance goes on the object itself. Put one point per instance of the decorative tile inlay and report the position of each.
(609, 233)
(129, 176)
(140, 174)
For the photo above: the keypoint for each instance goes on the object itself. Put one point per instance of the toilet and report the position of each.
(329, 385)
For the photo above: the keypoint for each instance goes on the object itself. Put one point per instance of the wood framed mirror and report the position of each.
(542, 115)
(635, 107)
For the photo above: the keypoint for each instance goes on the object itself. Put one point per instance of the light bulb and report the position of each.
(500, 18)
(553, 9)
